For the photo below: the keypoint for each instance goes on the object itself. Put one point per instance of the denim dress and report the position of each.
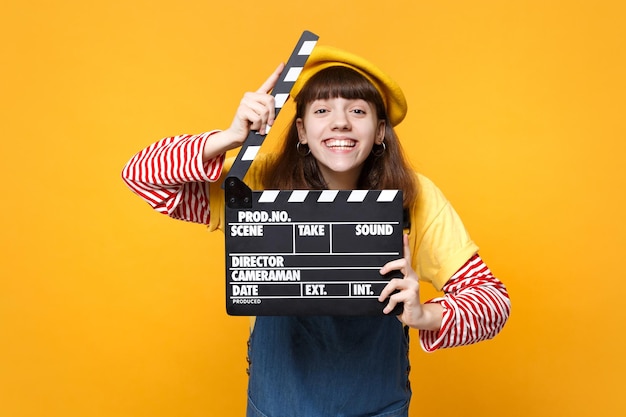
(314, 366)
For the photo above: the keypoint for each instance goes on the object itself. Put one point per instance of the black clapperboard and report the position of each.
(301, 252)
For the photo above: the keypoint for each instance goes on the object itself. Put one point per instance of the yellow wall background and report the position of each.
(516, 111)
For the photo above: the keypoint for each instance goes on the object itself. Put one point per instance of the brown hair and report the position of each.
(292, 170)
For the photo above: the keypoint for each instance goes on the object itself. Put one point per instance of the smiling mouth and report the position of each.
(340, 143)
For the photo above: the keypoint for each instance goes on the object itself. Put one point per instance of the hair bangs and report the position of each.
(335, 82)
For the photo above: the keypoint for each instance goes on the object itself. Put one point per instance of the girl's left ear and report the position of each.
(380, 136)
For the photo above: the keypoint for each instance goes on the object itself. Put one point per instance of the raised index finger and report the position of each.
(271, 81)
(406, 248)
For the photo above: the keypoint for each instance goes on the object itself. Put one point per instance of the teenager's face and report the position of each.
(340, 133)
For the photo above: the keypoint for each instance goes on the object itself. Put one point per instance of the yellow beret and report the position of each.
(325, 56)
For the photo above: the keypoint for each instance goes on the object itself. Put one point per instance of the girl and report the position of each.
(342, 137)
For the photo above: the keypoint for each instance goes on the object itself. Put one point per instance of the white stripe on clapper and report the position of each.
(357, 196)
(280, 100)
(307, 48)
(327, 196)
(298, 196)
(268, 196)
(250, 153)
(387, 195)
(292, 74)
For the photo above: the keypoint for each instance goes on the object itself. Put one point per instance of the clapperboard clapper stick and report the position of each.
(299, 252)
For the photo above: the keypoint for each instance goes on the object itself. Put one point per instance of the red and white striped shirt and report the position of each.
(170, 175)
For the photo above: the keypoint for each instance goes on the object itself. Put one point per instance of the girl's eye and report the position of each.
(359, 111)
(320, 111)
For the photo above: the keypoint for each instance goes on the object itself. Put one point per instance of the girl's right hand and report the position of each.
(256, 111)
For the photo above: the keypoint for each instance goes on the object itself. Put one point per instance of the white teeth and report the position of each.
(340, 143)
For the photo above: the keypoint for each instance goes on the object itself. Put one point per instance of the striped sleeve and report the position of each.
(170, 176)
(476, 307)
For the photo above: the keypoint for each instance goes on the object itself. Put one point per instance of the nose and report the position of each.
(340, 121)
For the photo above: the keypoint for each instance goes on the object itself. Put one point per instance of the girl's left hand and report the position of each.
(407, 290)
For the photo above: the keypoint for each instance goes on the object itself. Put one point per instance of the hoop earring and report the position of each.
(299, 150)
(380, 151)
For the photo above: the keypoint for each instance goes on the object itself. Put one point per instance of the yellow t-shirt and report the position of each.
(439, 243)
